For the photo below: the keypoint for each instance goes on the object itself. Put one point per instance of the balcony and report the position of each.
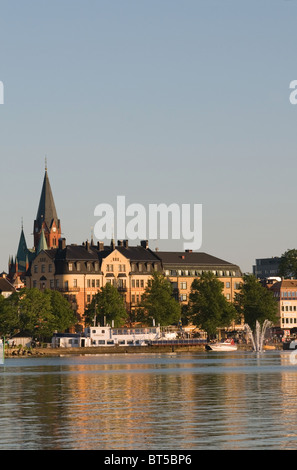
(68, 289)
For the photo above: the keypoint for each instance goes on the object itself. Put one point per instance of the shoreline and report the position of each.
(93, 350)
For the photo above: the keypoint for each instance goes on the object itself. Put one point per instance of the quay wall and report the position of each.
(55, 352)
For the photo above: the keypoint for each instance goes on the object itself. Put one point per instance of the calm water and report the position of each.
(182, 401)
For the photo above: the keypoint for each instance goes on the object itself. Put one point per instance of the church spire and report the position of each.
(42, 245)
(47, 218)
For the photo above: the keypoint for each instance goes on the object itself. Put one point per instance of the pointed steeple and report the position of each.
(47, 218)
(42, 245)
(46, 210)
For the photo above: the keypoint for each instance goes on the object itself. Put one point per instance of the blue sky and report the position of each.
(161, 101)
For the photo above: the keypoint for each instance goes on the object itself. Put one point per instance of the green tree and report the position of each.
(210, 308)
(158, 303)
(107, 306)
(9, 315)
(255, 302)
(35, 313)
(288, 264)
(64, 317)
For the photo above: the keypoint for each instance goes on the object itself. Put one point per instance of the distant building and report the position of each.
(285, 291)
(266, 267)
(181, 268)
(46, 232)
(6, 288)
(79, 271)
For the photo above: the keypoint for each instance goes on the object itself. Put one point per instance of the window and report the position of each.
(35, 284)
(228, 296)
(133, 299)
(88, 282)
(50, 268)
(66, 285)
(141, 283)
(228, 285)
(74, 282)
(133, 282)
(97, 283)
(96, 266)
(78, 266)
(57, 283)
(93, 282)
(183, 285)
(70, 266)
(52, 284)
(109, 267)
(88, 298)
(122, 268)
(43, 268)
(137, 282)
(183, 297)
(35, 268)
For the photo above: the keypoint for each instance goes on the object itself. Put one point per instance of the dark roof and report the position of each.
(5, 286)
(47, 210)
(285, 283)
(193, 258)
(137, 253)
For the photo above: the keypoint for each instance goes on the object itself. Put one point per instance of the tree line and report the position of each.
(41, 313)
(208, 307)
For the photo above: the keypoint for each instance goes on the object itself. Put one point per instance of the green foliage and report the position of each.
(158, 302)
(210, 308)
(35, 312)
(288, 264)
(255, 302)
(61, 309)
(107, 305)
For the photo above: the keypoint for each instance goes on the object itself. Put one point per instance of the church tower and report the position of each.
(47, 225)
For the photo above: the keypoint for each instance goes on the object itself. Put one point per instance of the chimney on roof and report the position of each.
(144, 244)
(87, 245)
(189, 251)
(100, 246)
(126, 244)
(120, 243)
(62, 243)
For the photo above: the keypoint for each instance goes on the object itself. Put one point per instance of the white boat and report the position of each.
(227, 345)
(290, 345)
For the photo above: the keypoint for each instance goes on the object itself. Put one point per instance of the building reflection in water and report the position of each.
(176, 402)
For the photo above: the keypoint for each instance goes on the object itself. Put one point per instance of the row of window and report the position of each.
(121, 268)
(43, 268)
(197, 273)
(286, 294)
(289, 308)
(289, 320)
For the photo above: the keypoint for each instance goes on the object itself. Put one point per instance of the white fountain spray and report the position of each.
(258, 336)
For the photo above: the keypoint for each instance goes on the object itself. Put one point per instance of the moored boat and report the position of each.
(290, 345)
(227, 345)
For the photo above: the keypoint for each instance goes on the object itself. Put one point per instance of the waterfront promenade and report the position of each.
(52, 352)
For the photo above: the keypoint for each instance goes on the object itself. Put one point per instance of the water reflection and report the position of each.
(173, 401)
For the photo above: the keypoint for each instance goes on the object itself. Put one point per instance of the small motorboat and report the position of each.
(290, 345)
(227, 345)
